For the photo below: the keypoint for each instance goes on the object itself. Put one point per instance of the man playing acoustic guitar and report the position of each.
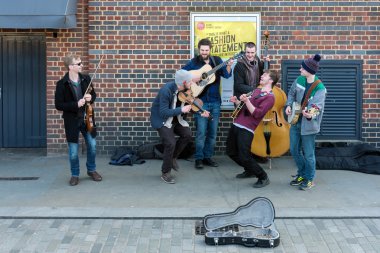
(205, 138)
(310, 93)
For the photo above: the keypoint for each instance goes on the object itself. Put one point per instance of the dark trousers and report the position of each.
(239, 142)
(173, 147)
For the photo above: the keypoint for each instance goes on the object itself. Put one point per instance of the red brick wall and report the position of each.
(144, 42)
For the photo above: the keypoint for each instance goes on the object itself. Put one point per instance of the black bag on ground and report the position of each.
(125, 156)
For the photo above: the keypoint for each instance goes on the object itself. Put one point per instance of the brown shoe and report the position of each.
(95, 176)
(74, 181)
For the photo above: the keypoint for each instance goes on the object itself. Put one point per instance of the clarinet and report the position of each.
(236, 112)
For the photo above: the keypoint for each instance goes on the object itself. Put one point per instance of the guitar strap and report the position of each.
(309, 92)
(213, 61)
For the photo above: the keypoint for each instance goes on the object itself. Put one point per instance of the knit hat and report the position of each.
(311, 65)
(182, 76)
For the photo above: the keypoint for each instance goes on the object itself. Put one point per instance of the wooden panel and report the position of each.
(24, 91)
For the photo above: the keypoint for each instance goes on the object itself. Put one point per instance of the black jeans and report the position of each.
(173, 147)
(239, 143)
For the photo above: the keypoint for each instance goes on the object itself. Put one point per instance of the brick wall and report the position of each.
(144, 42)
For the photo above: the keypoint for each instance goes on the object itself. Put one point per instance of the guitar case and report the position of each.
(257, 220)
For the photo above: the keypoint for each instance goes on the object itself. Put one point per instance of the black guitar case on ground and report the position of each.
(257, 220)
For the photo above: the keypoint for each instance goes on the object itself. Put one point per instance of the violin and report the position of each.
(272, 134)
(196, 103)
(89, 116)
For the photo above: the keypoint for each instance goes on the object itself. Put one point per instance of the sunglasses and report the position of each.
(79, 63)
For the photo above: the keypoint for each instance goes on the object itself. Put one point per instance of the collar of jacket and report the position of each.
(66, 78)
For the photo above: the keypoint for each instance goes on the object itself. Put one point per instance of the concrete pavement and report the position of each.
(133, 210)
(138, 191)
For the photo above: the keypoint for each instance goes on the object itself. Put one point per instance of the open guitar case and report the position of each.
(257, 220)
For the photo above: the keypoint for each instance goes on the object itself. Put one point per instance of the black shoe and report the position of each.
(198, 164)
(210, 162)
(298, 180)
(175, 165)
(245, 174)
(167, 178)
(261, 183)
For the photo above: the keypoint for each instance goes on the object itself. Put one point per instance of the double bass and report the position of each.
(271, 138)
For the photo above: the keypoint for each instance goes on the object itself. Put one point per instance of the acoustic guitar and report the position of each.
(207, 74)
(297, 110)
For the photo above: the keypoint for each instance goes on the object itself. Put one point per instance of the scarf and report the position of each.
(252, 71)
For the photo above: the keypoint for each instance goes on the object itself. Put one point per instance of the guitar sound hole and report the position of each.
(204, 76)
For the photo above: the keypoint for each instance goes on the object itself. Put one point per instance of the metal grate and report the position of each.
(18, 178)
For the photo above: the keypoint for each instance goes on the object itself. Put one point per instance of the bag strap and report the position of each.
(309, 92)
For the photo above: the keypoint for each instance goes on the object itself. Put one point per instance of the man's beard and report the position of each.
(205, 57)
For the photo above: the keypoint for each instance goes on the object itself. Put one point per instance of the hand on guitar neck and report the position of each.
(207, 75)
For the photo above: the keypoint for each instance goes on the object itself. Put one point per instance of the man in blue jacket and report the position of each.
(205, 138)
(167, 117)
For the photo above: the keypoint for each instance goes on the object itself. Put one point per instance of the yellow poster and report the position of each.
(227, 37)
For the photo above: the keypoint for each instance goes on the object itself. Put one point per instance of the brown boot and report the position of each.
(95, 176)
(74, 181)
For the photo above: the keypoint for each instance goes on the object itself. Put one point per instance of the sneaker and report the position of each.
(175, 165)
(306, 185)
(198, 164)
(245, 174)
(297, 181)
(210, 162)
(261, 183)
(167, 178)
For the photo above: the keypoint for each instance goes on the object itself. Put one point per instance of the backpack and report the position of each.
(149, 151)
(125, 156)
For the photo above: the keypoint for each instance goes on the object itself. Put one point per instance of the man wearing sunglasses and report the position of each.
(70, 98)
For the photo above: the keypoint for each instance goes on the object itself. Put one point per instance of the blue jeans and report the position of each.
(302, 148)
(91, 154)
(205, 138)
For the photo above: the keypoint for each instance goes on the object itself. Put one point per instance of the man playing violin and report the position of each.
(241, 133)
(168, 118)
(70, 98)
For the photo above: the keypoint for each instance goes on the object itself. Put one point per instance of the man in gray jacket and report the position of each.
(304, 131)
(167, 117)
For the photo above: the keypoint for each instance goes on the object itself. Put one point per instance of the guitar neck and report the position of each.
(217, 68)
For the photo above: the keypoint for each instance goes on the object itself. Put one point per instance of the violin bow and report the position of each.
(93, 75)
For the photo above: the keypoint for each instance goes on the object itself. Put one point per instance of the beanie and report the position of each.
(311, 65)
(182, 76)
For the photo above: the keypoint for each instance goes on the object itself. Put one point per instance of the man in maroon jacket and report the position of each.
(241, 133)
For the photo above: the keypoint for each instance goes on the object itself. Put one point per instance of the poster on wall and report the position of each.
(228, 32)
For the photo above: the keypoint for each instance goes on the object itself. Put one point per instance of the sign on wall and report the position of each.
(228, 32)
